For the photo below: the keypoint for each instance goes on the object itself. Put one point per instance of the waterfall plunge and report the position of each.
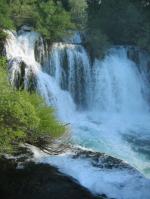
(105, 103)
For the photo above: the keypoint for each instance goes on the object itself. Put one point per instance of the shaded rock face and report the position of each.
(41, 51)
(139, 56)
(142, 59)
(2, 51)
(3, 37)
(134, 54)
(37, 181)
(19, 74)
(25, 28)
(20, 77)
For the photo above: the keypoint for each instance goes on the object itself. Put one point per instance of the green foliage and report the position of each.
(5, 20)
(24, 117)
(144, 39)
(3, 63)
(3, 36)
(106, 21)
(122, 22)
(52, 20)
(97, 43)
(78, 12)
(48, 17)
(22, 12)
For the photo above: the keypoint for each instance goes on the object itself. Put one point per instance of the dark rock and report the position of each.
(101, 160)
(25, 28)
(3, 37)
(41, 51)
(37, 181)
(148, 65)
(21, 79)
(133, 54)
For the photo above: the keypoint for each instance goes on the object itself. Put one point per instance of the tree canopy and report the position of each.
(120, 22)
(48, 17)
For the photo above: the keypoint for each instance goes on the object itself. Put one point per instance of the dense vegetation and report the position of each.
(52, 18)
(24, 117)
(118, 22)
(106, 22)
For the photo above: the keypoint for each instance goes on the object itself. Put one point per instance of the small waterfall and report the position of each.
(106, 104)
(118, 83)
(20, 53)
(69, 64)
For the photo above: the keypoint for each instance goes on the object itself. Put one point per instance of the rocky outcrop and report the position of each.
(138, 56)
(38, 181)
(20, 77)
(41, 51)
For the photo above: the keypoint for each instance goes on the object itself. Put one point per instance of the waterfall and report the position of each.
(70, 66)
(106, 104)
(118, 84)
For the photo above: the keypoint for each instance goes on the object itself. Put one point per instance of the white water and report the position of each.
(119, 183)
(106, 105)
(70, 66)
(118, 84)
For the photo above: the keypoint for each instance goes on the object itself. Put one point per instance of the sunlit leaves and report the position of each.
(24, 117)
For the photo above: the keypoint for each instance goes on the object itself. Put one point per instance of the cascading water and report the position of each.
(117, 84)
(70, 66)
(105, 103)
(20, 49)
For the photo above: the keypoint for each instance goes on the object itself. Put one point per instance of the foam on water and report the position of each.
(119, 183)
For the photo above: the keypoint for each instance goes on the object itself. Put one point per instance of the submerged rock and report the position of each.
(101, 160)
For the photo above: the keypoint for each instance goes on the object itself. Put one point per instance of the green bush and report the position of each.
(24, 117)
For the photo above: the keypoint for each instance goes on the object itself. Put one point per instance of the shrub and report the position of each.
(24, 117)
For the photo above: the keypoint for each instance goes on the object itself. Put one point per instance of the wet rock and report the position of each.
(74, 38)
(148, 65)
(133, 54)
(41, 51)
(101, 160)
(25, 28)
(38, 181)
(19, 77)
